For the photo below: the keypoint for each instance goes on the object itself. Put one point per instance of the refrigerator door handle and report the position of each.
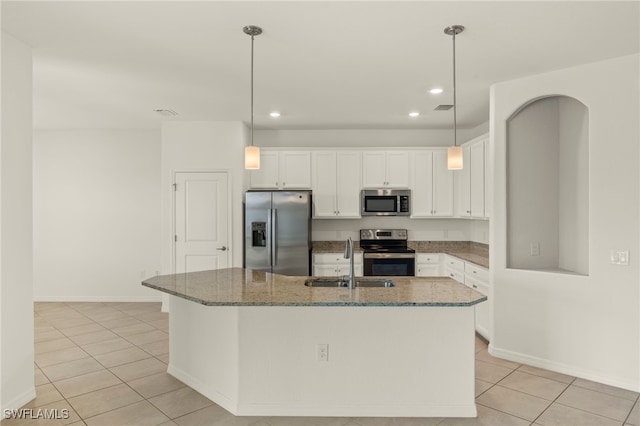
(274, 239)
(270, 235)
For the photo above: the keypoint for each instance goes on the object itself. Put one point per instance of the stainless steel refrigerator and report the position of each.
(277, 231)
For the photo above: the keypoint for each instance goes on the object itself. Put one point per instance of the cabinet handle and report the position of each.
(451, 275)
(338, 212)
(474, 286)
(474, 272)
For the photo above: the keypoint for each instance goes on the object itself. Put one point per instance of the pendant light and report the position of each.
(252, 153)
(454, 153)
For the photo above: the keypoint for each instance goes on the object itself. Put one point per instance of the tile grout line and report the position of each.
(104, 368)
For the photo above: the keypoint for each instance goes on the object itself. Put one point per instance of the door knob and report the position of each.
(223, 248)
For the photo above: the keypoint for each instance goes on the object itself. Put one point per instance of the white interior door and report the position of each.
(201, 221)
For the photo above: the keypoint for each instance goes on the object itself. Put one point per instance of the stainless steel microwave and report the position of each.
(385, 202)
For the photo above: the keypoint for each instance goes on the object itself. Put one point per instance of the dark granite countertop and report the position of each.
(244, 287)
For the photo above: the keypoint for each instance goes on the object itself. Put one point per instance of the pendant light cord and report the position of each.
(252, 37)
(455, 106)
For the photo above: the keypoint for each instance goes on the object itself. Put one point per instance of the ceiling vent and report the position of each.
(166, 112)
(443, 107)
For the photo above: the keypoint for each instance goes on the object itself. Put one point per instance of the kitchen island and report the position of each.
(265, 344)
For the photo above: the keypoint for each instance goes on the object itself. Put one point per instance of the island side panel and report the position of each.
(382, 361)
(203, 349)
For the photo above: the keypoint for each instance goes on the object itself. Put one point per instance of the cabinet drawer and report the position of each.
(477, 272)
(454, 263)
(477, 285)
(453, 274)
(427, 270)
(428, 258)
(330, 258)
(335, 258)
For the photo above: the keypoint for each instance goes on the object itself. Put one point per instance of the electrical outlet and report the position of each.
(534, 249)
(620, 257)
(323, 352)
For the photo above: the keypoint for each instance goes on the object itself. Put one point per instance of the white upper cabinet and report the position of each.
(324, 183)
(385, 169)
(282, 170)
(431, 184)
(336, 184)
(470, 182)
(266, 177)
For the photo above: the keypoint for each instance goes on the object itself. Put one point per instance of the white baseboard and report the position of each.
(238, 408)
(559, 367)
(97, 298)
(18, 401)
(212, 394)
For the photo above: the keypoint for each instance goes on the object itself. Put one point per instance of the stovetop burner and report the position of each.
(384, 241)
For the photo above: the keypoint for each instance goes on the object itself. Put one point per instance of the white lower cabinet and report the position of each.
(428, 264)
(476, 277)
(334, 264)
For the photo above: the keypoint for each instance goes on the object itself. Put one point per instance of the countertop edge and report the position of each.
(321, 304)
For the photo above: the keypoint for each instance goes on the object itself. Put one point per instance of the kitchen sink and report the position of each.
(361, 282)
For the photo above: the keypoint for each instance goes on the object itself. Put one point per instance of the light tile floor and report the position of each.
(106, 363)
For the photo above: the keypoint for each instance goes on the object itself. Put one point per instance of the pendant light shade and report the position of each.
(454, 153)
(252, 153)
(454, 158)
(252, 157)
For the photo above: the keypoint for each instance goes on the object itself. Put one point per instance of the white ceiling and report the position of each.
(363, 64)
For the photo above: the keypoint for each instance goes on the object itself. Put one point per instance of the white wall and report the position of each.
(202, 146)
(364, 137)
(533, 192)
(16, 243)
(96, 214)
(586, 326)
(573, 220)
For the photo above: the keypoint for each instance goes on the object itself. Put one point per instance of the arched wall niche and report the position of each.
(548, 186)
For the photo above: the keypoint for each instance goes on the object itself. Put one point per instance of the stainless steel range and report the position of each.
(386, 253)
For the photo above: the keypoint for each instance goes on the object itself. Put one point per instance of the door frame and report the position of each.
(172, 210)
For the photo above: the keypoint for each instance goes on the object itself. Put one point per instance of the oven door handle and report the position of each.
(389, 255)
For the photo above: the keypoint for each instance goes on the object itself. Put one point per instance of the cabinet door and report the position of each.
(295, 169)
(266, 177)
(323, 183)
(483, 309)
(422, 184)
(374, 169)
(476, 170)
(349, 173)
(442, 185)
(463, 188)
(397, 169)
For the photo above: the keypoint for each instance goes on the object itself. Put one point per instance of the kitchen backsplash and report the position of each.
(419, 229)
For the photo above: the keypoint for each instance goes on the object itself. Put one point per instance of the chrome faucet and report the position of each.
(348, 254)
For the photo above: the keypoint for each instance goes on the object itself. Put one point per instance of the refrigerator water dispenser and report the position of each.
(259, 234)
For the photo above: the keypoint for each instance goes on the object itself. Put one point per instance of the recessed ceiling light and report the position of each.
(436, 91)
(275, 114)
(414, 114)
